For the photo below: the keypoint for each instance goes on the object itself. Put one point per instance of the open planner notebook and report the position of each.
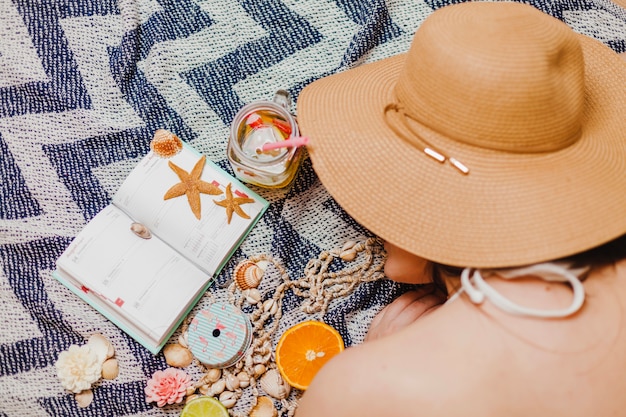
(144, 261)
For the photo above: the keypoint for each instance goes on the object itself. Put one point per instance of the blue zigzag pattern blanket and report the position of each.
(83, 86)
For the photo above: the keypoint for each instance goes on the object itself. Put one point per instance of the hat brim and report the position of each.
(512, 209)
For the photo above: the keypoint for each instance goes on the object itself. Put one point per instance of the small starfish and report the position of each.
(232, 204)
(191, 185)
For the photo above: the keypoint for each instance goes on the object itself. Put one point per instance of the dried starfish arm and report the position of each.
(182, 174)
(175, 191)
(208, 188)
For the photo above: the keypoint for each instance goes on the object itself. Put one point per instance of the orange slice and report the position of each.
(303, 349)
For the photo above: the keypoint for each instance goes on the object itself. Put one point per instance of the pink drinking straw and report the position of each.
(294, 142)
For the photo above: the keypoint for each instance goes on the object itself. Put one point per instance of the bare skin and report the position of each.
(461, 359)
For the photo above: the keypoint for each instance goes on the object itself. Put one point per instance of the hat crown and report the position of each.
(509, 78)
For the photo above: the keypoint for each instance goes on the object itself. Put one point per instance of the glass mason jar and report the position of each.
(256, 124)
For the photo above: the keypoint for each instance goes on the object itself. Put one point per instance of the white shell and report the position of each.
(218, 387)
(232, 382)
(264, 408)
(213, 375)
(259, 369)
(182, 339)
(244, 379)
(270, 306)
(84, 398)
(348, 245)
(252, 295)
(274, 385)
(110, 369)
(228, 399)
(348, 255)
(101, 346)
(177, 355)
(248, 275)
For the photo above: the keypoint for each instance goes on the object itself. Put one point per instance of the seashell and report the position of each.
(110, 369)
(218, 387)
(232, 382)
(228, 399)
(259, 369)
(248, 275)
(84, 398)
(274, 385)
(191, 397)
(264, 408)
(140, 230)
(183, 339)
(177, 355)
(205, 389)
(213, 375)
(348, 245)
(252, 295)
(348, 255)
(165, 144)
(190, 390)
(244, 379)
(270, 306)
(101, 346)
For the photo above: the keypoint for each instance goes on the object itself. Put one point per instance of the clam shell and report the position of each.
(84, 398)
(165, 144)
(248, 275)
(274, 385)
(101, 346)
(264, 408)
(177, 355)
(110, 369)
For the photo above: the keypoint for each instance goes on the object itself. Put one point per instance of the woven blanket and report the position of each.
(84, 84)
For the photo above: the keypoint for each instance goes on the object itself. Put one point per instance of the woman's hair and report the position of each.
(598, 257)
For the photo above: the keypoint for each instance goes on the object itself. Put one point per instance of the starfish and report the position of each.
(232, 204)
(191, 185)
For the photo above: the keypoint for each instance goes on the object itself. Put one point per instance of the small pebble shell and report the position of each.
(140, 230)
(177, 355)
(182, 339)
(248, 275)
(348, 245)
(274, 385)
(259, 369)
(84, 398)
(191, 397)
(165, 144)
(101, 346)
(110, 369)
(264, 408)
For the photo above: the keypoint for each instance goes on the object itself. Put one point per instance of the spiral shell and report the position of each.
(264, 408)
(248, 275)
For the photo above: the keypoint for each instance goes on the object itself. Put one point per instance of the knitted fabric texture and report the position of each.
(83, 87)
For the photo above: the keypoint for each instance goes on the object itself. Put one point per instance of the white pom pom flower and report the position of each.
(78, 368)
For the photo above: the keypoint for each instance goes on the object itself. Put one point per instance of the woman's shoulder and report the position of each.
(383, 377)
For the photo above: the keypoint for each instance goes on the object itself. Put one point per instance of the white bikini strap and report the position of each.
(480, 290)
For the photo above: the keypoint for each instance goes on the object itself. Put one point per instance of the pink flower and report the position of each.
(167, 387)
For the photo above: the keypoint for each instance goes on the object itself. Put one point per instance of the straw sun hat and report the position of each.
(528, 117)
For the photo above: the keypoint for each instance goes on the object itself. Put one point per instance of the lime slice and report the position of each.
(204, 406)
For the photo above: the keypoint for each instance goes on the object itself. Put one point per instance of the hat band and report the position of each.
(419, 140)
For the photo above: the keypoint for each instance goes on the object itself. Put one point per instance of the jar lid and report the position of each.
(219, 337)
